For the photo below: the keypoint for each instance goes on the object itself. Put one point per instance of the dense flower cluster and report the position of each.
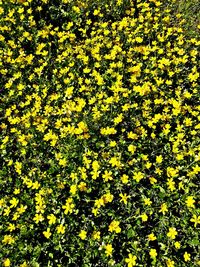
(100, 147)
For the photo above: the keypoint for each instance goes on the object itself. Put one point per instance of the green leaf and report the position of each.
(51, 255)
(130, 233)
(194, 242)
(35, 264)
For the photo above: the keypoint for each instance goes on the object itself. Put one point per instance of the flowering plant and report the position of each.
(100, 147)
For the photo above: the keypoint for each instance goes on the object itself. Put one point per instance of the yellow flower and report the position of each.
(114, 227)
(51, 218)
(96, 12)
(147, 201)
(144, 217)
(95, 211)
(153, 253)
(82, 186)
(131, 260)
(83, 234)
(108, 197)
(163, 208)
(159, 159)
(14, 202)
(152, 180)
(16, 191)
(107, 131)
(7, 211)
(11, 227)
(195, 220)
(1, 10)
(170, 263)
(172, 233)
(38, 218)
(158, 171)
(148, 165)
(47, 233)
(107, 176)
(151, 237)
(96, 235)
(138, 176)
(113, 143)
(62, 162)
(177, 245)
(6, 263)
(8, 239)
(186, 256)
(99, 202)
(24, 264)
(18, 167)
(124, 179)
(60, 229)
(172, 172)
(139, 39)
(108, 249)
(68, 207)
(132, 149)
(171, 184)
(118, 119)
(190, 202)
(115, 162)
(124, 198)
(73, 189)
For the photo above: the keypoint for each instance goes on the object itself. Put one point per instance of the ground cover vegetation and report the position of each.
(100, 146)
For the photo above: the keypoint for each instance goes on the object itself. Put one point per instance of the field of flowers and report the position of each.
(100, 134)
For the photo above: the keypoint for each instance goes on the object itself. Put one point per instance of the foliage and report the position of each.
(100, 147)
